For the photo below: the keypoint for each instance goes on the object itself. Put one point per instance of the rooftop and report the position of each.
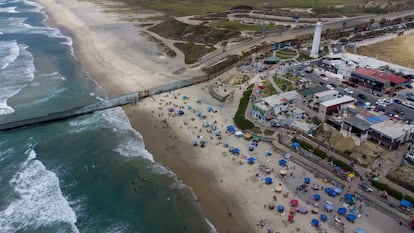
(358, 123)
(342, 100)
(326, 93)
(380, 76)
(280, 98)
(310, 91)
(391, 129)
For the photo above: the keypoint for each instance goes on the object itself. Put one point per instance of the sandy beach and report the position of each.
(232, 193)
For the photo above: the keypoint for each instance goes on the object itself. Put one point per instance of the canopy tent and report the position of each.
(251, 148)
(283, 172)
(251, 160)
(218, 133)
(406, 204)
(235, 150)
(247, 136)
(323, 217)
(287, 156)
(282, 162)
(303, 209)
(329, 206)
(256, 138)
(194, 142)
(202, 143)
(291, 218)
(315, 222)
(316, 197)
(239, 133)
(331, 192)
(337, 190)
(307, 180)
(341, 210)
(231, 129)
(292, 210)
(213, 127)
(360, 230)
(348, 196)
(294, 202)
(352, 218)
(280, 209)
(268, 180)
(189, 107)
(206, 124)
(181, 112)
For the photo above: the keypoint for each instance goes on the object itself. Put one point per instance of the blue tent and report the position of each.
(331, 192)
(282, 162)
(295, 145)
(360, 230)
(406, 204)
(251, 160)
(209, 109)
(268, 180)
(351, 217)
(181, 112)
(341, 210)
(231, 129)
(329, 206)
(315, 222)
(323, 218)
(280, 209)
(307, 180)
(235, 150)
(348, 196)
(316, 197)
(251, 148)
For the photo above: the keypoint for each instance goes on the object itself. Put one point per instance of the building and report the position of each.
(305, 95)
(320, 97)
(390, 134)
(274, 104)
(334, 105)
(377, 80)
(316, 40)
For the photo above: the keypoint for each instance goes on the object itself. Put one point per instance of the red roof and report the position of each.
(380, 76)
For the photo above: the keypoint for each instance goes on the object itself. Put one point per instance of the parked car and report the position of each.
(362, 96)
(349, 91)
(330, 87)
(397, 101)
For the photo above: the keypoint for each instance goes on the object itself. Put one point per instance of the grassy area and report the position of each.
(268, 89)
(284, 84)
(160, 45)
(244, 27)
(286, 53)
(239, 118)
(192, 51)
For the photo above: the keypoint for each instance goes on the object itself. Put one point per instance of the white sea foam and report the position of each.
(11, 9)
(212, 228)
(9, 50)
(40, 200)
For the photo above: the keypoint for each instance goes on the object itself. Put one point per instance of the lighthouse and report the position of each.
(316, 40)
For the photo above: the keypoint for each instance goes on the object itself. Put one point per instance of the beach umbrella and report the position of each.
(202, 143)
(236, 150)
(282, 162)
(280, 209)
(278, 189)
(292, 210)
(251, 148)
(268, 152)
(294, 202)
(268, 180)
(337, 190)
(283, 172)
(206, 124)
(218, 133)
(251, 160)
(171, 109)
(329, 206)
(194, 143)
(360, 230)
(209, 109)
(303, 209)
(185, 97)
(225, 144)
(189, 107)
(231, 129)
(198, 113)
(341, 210)
(315, 222)
(180, 112)
(323, 217)
(291, 218)
(307, 180)
(316, 197)
(351, 217)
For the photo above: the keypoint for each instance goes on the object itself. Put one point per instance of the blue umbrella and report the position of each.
(268, 180)
(307, 180)
(251, 148)
(351, 217)
(251, 160)
(316, 197)
(280, 208)
(315, 222)
(341, 210)
(236, 151)
(323, 218)
(360, 230)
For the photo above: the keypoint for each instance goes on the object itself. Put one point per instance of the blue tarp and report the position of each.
(323, 218)
(351, 217)
(251, 160)
(315, 222)
(307, 180)
(231, 129)
(268, 180)
(406, 203)
(316, 197)
(280, 208)
(341, 210)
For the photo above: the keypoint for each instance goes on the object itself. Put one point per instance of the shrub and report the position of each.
(239, 118)
(305, 145)
(384, 187)
(343, 165)
(318, 152)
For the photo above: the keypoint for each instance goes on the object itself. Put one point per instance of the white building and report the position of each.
(333, 105)
(316, 40)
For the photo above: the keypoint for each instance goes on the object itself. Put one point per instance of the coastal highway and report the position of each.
(280, 36)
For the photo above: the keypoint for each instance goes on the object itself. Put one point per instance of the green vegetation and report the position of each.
(284, 84)
(193, 51)
(243, 27)
(242, 79)
(239, 118)
(316, 120)
(303, 57)
(268, 132)
(384, 187)
(342, 165)
(286, 53)
(268, 89)
(320, 153)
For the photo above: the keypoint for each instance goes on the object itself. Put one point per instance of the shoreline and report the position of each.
(212, 200)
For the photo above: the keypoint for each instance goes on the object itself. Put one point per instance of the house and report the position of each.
(333, 105)
(390, 134)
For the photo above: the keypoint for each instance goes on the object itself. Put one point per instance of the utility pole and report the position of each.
(264, 19)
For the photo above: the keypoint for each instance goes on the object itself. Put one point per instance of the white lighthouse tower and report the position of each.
(316, 40)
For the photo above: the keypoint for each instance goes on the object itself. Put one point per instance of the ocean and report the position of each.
(86, 174)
